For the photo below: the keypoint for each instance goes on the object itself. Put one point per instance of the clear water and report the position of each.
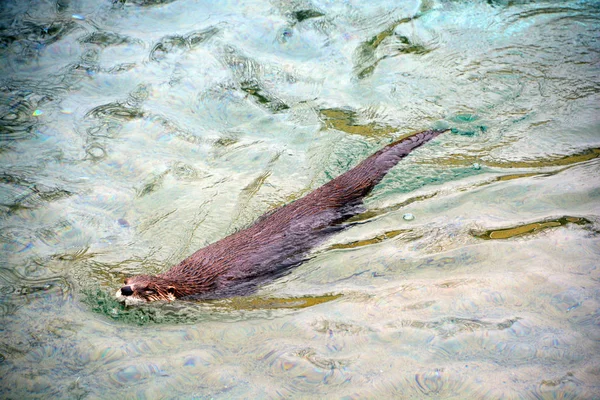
(135, 132)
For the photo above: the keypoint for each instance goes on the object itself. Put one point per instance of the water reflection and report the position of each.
(132, 133)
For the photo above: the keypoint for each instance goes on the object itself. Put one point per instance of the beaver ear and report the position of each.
(171, 290)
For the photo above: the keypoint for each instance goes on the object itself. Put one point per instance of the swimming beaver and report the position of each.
(276, 242)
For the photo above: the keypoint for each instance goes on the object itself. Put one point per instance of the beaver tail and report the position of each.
(355, 184)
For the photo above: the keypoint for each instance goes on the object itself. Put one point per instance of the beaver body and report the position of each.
(276, 242)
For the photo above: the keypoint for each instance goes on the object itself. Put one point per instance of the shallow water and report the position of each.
(133, 133)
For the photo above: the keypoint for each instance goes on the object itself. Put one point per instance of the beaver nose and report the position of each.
(126, 291)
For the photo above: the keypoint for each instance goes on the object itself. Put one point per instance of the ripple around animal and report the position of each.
(186, 312)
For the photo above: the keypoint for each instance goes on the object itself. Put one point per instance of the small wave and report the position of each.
(173, 45)
(186, 312)
(17, 290)
(108, 39)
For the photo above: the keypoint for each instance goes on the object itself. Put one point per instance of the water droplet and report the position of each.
(408, 217)
(78, 16)
(285, 34)
(476, 166)
(37, 113)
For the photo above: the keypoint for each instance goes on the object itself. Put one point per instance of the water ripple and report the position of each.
(173, 45)
(134, 132)
(108, 39)
(17, 290)
(119, 111)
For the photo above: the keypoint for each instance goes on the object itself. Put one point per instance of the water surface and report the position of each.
(133, 133)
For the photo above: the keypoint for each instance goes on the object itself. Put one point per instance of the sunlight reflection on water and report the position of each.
(134, 132)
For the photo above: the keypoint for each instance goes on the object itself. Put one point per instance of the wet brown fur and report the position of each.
(275, 242)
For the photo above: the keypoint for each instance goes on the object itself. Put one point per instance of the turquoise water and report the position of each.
(133, 133)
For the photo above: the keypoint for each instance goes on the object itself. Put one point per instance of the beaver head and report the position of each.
(146, 288)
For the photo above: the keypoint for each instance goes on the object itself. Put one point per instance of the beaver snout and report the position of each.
(126, 291)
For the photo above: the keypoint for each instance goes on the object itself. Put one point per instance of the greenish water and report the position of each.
(133, 133)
